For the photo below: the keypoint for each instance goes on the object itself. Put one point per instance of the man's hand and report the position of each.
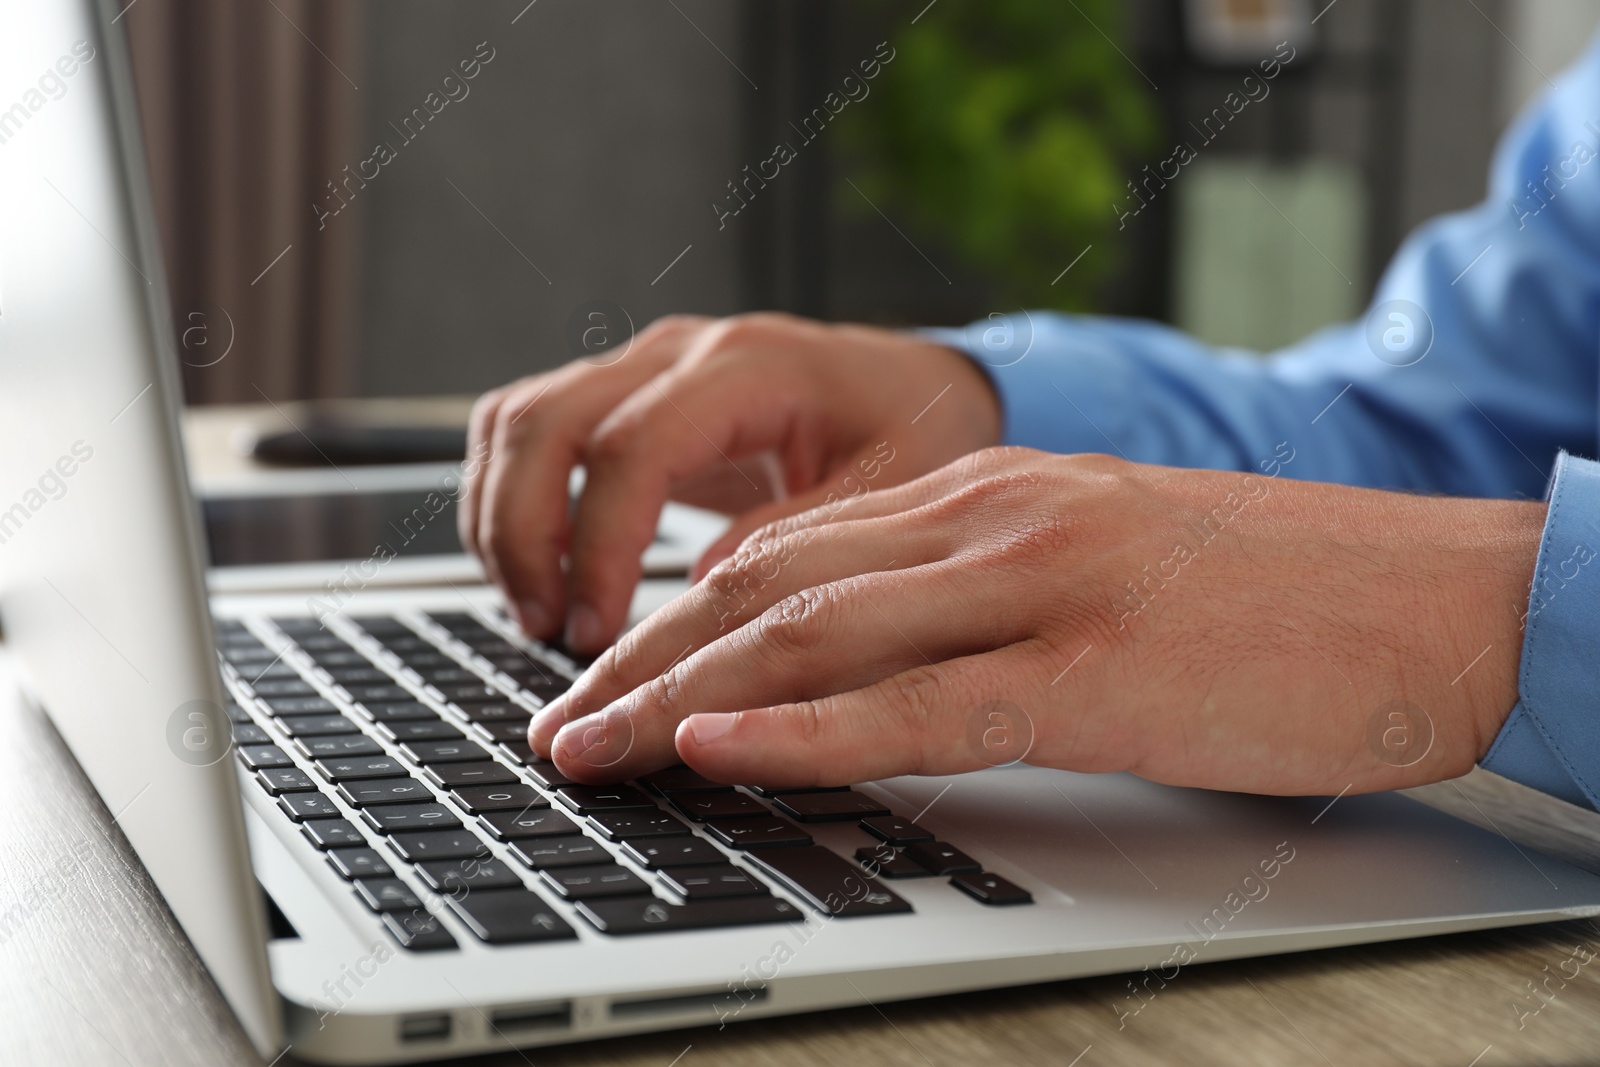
(1198, 628)
(683, 415)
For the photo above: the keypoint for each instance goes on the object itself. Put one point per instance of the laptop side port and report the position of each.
(522, 1019)
(711, 1001)
(434, 1027)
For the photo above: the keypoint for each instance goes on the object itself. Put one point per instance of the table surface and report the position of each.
(93, 970)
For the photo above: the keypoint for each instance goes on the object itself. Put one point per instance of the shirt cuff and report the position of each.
(1062, 386)
(1552, 739)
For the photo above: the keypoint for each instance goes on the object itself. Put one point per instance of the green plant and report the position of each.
(1004, 128)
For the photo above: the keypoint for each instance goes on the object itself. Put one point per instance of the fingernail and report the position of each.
(546, 724)
(707, 728)
(596, 739)
(535, 620)
(583, 628)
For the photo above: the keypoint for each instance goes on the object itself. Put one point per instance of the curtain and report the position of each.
(250, 108)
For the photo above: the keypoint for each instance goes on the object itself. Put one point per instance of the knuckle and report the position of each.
(613, 443)
(797, 625)
(910, 701)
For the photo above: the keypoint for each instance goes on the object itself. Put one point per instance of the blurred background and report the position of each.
(414, 199)
(599, 149)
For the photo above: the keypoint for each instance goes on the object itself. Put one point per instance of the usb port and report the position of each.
(425, 1028)
(533, 1017)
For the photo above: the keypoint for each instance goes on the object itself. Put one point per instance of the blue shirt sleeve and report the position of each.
(1552, 739)
(1476, 366)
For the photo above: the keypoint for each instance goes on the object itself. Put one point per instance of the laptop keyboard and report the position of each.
(399, 748)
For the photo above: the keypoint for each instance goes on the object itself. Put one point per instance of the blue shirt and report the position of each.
(1475, 372)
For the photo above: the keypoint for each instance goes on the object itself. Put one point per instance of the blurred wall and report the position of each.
(579, 164)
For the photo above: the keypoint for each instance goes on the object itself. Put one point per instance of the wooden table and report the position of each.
(93, 970)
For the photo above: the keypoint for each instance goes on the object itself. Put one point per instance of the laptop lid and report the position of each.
(102, 592)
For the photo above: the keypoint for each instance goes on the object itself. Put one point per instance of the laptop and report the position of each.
(333, 791)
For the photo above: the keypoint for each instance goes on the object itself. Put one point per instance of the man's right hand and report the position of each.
(686, 414)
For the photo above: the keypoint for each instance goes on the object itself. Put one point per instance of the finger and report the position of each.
(675, 426)
(827, 640)
(920, 721)
(522, 510)
(765, 571)
(480, 427)
(539, 429)
(833, 491)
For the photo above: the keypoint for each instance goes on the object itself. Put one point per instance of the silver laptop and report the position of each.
(334, 796)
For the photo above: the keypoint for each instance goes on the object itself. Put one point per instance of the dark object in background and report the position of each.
(333, 443)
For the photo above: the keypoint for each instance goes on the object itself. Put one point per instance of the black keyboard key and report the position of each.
(477, 693)
(543, 853)
(681, 780)
(458, 877)
(356, 767)
(418, 931)
(709, 883)
(532, 822)
(258, 756)
(588, 799)
(829, 882)
(283, 687)
(318, 726)
(300, 625)
(288, 706)
(505, 730)
(883, 860)
(348, 676)
(498, 713)
(778, 791)
(338, 657)
(438, 676)
(359, 863)
(518, 752)
(303, 806)
(387, 894)
(544, 772)
(397, 818)
(478, 772)
(660, 853)
(344, 745)
(363, 793)
(895, 830)
(643, 915)
(237, 713)
(991, 888)
(846, 806)
(399, 711)
(454, 844)
(939, 858)
(333, 833)
(378, 694)
(276, 670)
(703, 806)
(765, 832)
(380, 625)
(510, 916)
(587, 883)
(630, 825)
(248, 733)
(429, 753)
(280, 780)
(480, 799)
(425, 658)
(435, 730)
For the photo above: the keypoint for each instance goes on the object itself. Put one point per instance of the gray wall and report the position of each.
(595, 141)
(600, 134)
